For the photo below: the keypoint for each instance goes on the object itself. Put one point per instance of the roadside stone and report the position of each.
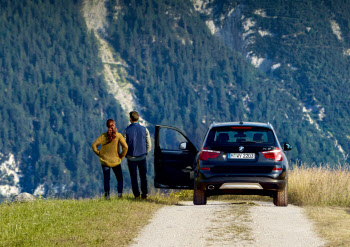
(24, 197)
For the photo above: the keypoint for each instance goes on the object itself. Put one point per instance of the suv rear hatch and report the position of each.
(241, 150)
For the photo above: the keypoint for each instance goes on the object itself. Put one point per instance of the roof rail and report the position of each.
(268, 123)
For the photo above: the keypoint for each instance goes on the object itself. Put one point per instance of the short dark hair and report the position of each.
(134, 116)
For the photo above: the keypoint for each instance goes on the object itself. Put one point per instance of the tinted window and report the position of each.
(170, 139)
(228, 136)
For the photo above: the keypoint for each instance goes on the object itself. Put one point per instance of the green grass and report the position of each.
(115, 222)
(88, 222)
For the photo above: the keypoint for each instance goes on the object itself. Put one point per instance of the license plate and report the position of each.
(247, 156)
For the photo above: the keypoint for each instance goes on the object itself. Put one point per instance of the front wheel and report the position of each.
(199, 197)
(280, 198)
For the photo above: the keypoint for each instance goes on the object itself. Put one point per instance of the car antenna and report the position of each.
(241, 122)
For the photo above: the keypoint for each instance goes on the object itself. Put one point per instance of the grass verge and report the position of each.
(88, 222)
(324, 192)
(332, 223)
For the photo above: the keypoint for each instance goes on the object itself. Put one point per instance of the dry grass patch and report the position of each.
(231, 225)
(320, 186)
(333, 224)
(325, 193)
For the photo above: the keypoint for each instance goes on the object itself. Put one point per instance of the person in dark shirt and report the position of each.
(139, 144)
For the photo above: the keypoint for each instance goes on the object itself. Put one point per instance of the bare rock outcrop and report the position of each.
(24, 197)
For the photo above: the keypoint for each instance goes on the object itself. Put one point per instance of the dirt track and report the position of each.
(228, 224)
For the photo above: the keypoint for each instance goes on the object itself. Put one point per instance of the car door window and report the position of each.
(170, 139)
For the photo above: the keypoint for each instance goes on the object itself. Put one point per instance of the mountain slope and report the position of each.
(302, 44)
(68, 66)
(54, 101)
(197, 77)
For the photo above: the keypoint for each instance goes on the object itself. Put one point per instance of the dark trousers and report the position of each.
(107, 175)
(141, 165)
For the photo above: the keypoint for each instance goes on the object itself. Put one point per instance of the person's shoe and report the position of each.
(120, 195)
(137, 197)
(143, 196)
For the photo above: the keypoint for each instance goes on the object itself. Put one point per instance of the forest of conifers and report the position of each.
(55, 101)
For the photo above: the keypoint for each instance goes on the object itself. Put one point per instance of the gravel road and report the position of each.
(228, 224)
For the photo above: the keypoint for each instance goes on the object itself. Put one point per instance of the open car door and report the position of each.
(174, 156)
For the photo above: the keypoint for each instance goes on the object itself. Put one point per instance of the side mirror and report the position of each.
(287, 147)
(183, 146)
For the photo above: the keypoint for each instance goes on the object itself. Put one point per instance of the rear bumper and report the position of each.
(240, 185)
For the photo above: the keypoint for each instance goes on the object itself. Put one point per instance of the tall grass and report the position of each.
(319, 186)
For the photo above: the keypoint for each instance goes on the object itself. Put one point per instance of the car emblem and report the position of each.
(241, 148)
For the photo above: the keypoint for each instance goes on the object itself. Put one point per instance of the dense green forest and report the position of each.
(55, 102)
(197, 79)
(315, 62)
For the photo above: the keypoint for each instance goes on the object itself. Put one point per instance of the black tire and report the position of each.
(199, 197)
(280, 198)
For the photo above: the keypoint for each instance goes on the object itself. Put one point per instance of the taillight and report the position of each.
(208, 154)
(275, 154)
(277, 169)
(205, 168)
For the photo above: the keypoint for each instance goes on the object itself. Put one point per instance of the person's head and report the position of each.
(112, 130)
(134, 116)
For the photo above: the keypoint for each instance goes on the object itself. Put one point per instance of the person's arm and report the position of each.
(94, 146)
(148, 141)
(124, 146)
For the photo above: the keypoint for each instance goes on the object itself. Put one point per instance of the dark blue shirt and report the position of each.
(136, 139)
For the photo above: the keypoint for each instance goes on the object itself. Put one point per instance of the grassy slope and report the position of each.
(89, 222)
(324, 193)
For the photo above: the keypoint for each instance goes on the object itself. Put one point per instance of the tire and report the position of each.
(280, 198)
(199, 197)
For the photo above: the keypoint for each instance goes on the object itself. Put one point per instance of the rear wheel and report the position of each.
(281, 197)
(199, 197)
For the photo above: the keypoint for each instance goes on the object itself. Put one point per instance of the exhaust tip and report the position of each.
(211, 187)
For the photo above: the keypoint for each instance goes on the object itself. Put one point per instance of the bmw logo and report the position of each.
(241, 149)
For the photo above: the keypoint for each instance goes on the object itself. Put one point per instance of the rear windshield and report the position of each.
(228, 136)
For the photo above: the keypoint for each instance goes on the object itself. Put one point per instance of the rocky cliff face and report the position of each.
(9, 175)
(236, 30)
(95, 13)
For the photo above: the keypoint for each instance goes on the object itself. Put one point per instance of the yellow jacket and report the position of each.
(109, 153)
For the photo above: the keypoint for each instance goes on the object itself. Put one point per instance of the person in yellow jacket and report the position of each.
(110, 155)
